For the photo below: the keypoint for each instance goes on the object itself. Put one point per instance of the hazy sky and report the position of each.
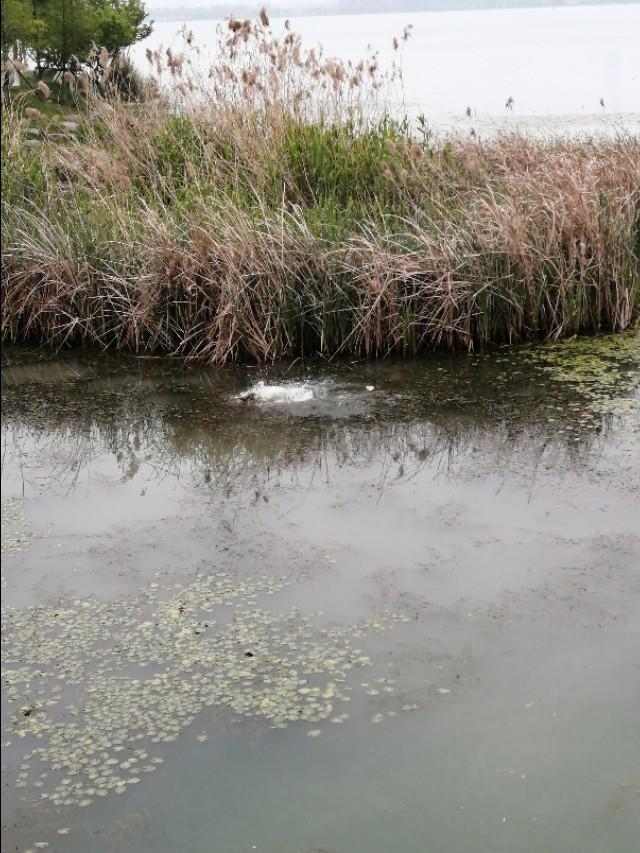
(292, 4)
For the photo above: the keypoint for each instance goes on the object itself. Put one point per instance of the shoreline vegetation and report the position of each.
(275, 209)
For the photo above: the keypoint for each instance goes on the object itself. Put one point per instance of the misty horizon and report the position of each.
(171, 10)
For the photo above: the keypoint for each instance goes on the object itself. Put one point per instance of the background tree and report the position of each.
(21, 27)
(53, 31)
(119, 23)
(68, 32)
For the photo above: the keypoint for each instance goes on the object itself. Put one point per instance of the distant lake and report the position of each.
(551, 61)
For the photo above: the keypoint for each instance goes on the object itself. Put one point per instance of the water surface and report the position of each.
(555, 63)
(327, 606)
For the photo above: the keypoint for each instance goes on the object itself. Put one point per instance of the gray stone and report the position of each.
(59, 137)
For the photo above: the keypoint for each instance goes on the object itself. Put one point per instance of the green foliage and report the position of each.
(119, 23)
(67, 32)
(125, 80)
(174, 148)
(21, 28)
(271, 214)
(338, 165)
(186, 233)
(54, 31)
(60, 103)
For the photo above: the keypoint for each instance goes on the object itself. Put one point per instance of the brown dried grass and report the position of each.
(267, 213)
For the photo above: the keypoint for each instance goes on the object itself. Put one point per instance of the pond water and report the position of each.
(322, 607)
(555, 63)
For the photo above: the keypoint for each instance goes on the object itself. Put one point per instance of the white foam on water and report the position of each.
(292, 392)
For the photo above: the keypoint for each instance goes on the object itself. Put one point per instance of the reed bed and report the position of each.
(275, 210)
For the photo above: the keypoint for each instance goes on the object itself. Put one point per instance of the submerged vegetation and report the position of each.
(275, 209)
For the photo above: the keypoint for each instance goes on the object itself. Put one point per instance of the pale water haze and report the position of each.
(579, 61)
(171, 10)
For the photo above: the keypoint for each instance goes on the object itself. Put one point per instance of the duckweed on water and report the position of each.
(95, 687)
(17, 531)
(603, 370)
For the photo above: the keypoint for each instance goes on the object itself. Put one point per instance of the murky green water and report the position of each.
(342, 607)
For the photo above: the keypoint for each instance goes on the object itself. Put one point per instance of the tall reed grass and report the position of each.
(273, 210)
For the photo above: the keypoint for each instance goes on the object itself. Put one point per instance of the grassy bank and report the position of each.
(275, 214)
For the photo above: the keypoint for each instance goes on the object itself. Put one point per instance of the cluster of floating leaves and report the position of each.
(95, 687)
(17, 530)
(604, 370)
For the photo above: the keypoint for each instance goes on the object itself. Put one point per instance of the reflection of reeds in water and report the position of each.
(395, 452)
(272, 212)
(513, 407)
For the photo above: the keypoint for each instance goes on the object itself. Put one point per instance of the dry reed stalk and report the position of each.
(262, 217)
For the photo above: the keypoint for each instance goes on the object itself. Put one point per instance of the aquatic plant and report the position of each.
(147, 668)
(275, 209)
